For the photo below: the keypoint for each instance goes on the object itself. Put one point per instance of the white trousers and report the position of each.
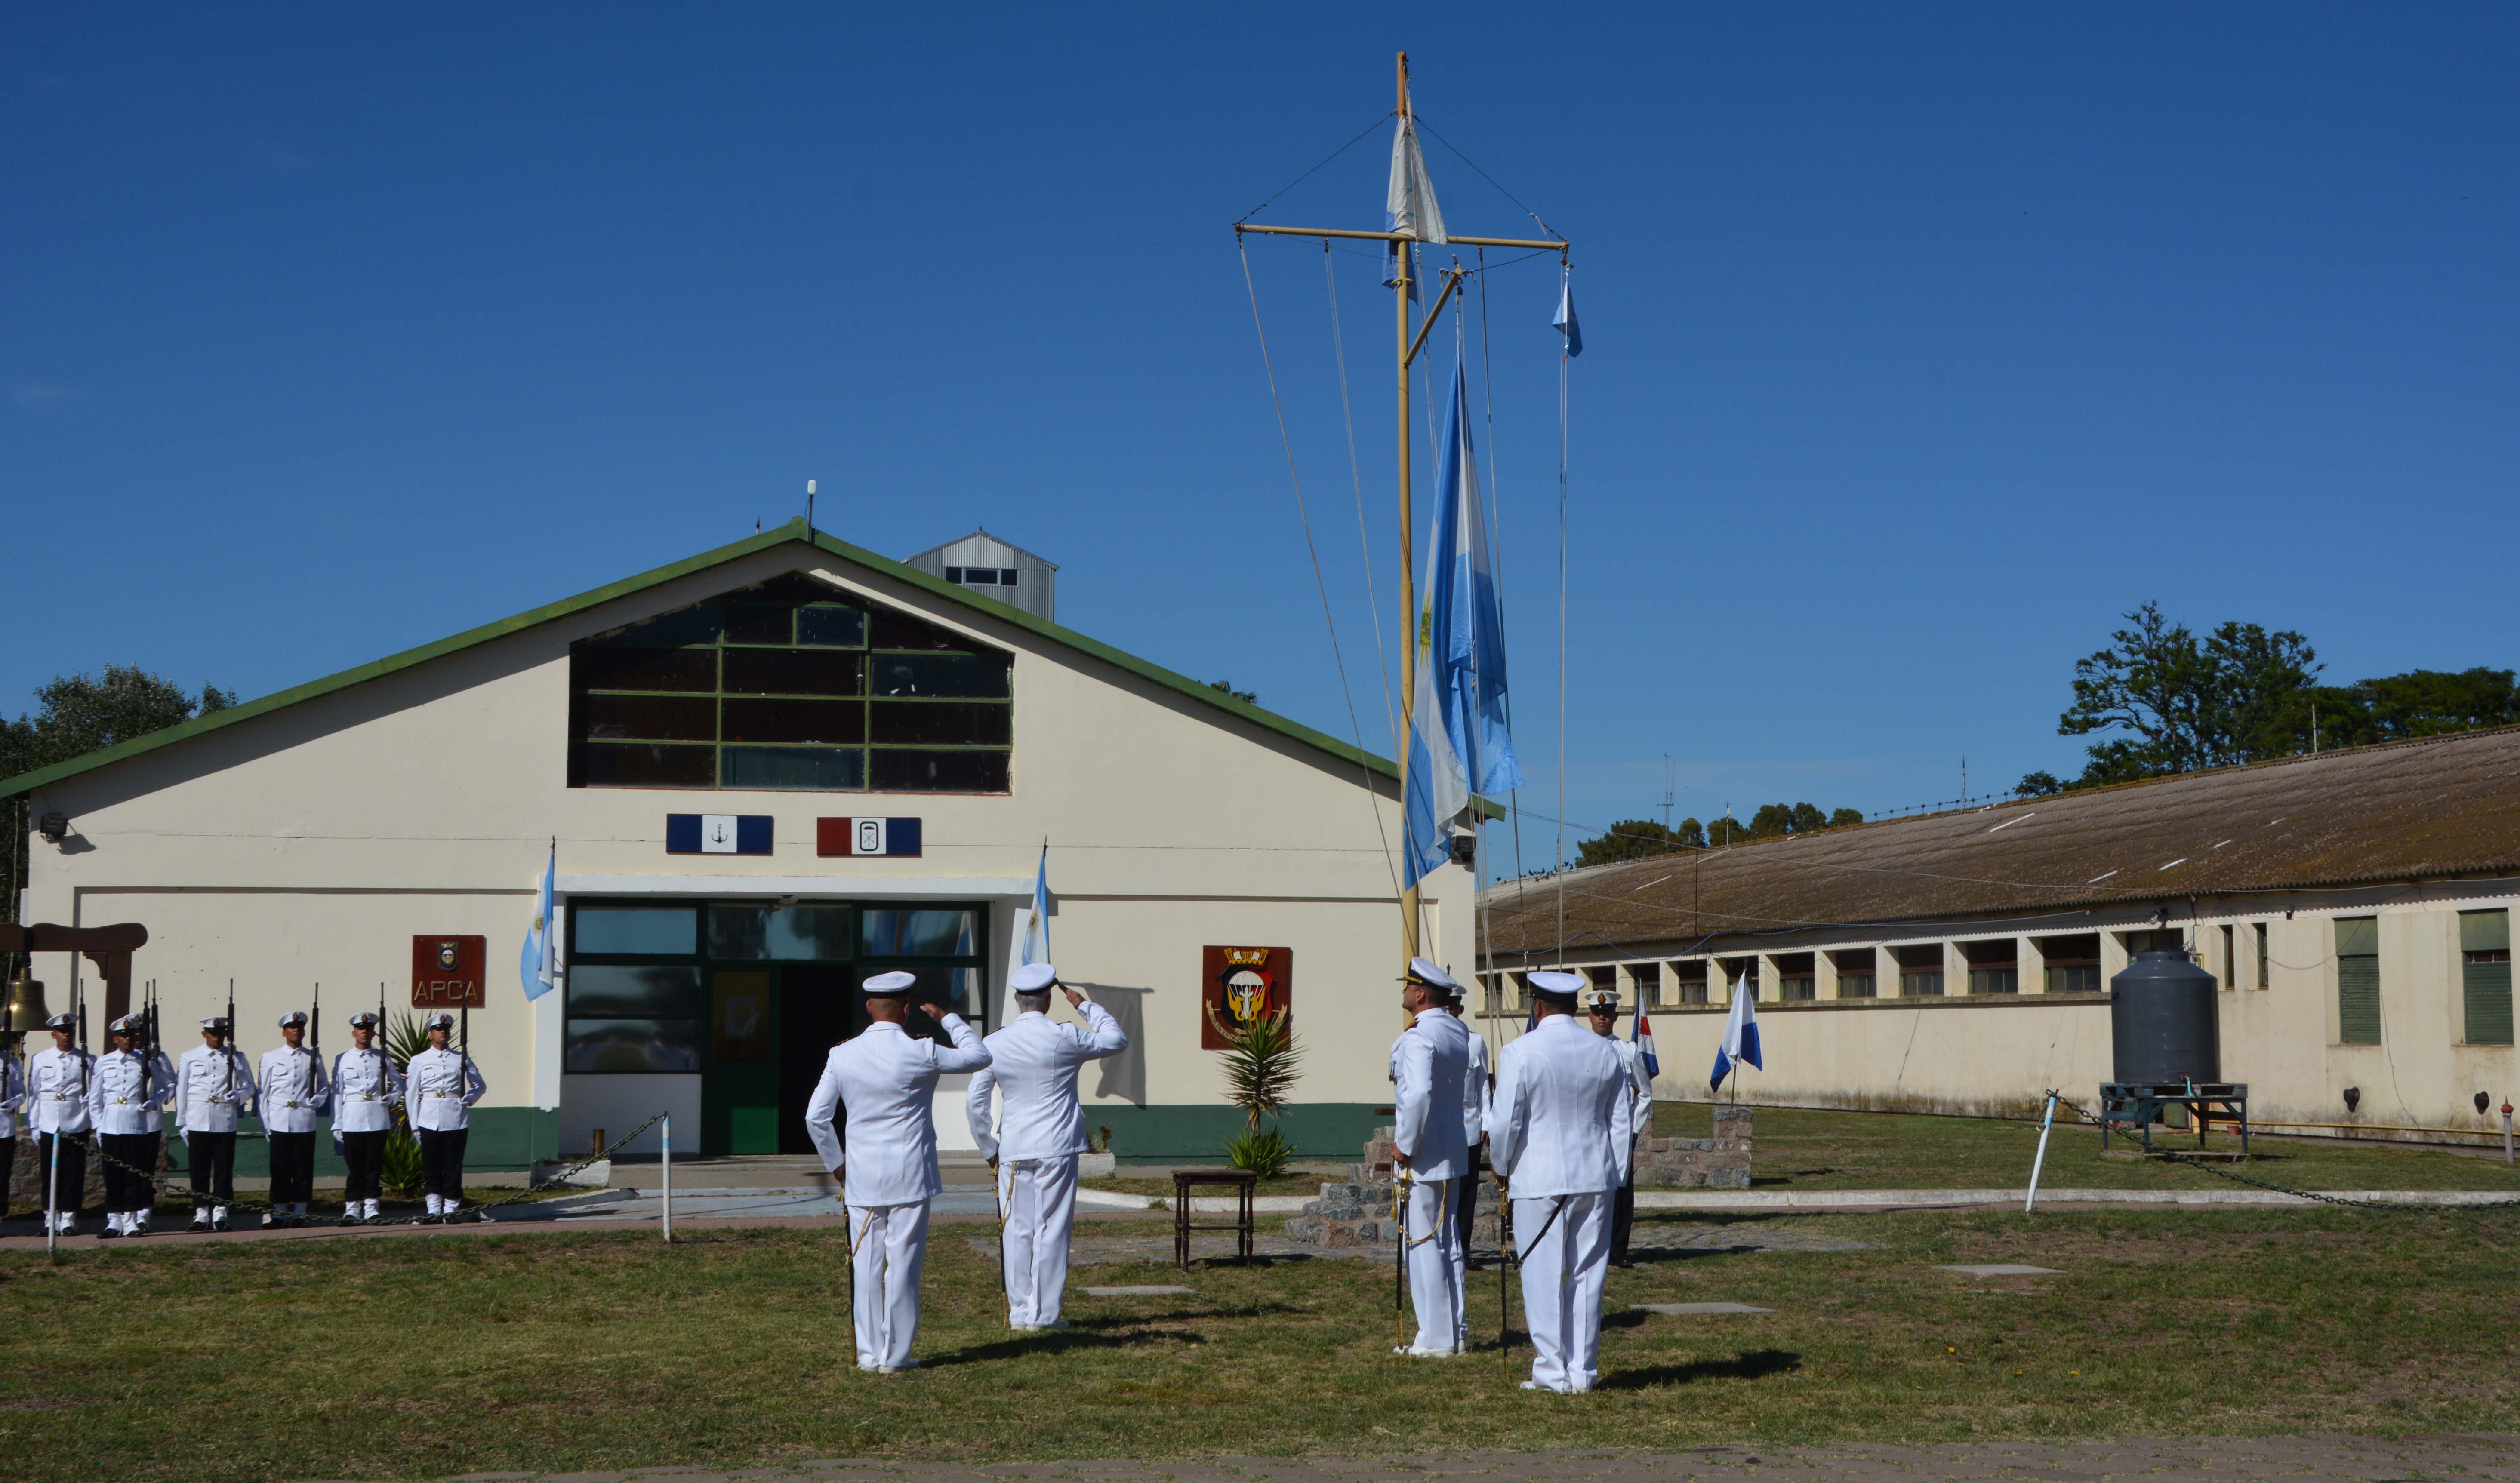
(1562, 1273)
(1038, 1199)
(889, 1250)
(1434, 1264)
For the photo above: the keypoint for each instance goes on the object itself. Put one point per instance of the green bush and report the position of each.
(1264, 1152)
(400, 1173)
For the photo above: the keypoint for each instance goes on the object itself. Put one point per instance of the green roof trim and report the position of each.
(794, 530)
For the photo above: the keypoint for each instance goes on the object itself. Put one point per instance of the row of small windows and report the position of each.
(982, 576)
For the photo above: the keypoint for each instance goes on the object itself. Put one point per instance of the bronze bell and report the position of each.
(26, 1011)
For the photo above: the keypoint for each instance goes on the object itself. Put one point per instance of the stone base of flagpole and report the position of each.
(1721, 1162)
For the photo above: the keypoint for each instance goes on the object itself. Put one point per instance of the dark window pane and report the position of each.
(952, 573)
(980, 576)
(786, 932)
(892, 932)
(618, 764)
(825, 721)
(669, 630)
(906, 772)
(976, 677)
(759, 623)
(832, 627)
(615, 991)
(934, 724)
(790, 673)
(678, 669)
(632, 1045)
(954, 989)
(805, 768)
(899, 630)
(650, 718)
(1005, 576)
(662, 931)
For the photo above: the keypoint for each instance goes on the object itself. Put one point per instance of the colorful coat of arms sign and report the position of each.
(1240, 986)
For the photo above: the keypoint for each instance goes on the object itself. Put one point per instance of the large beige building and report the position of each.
(764, 772)
(2354, 907)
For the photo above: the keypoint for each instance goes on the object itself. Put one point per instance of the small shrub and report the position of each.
(400, 1173)
(1264, 1152)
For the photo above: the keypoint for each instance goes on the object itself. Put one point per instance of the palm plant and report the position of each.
(1261, 1062)
(401, 1172)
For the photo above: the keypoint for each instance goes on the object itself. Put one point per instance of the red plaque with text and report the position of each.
(446, 973)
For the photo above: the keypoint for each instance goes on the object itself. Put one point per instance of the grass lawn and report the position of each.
(1795, 1150)
(424, 1355)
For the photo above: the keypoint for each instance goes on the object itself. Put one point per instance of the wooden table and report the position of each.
(1243, 1183)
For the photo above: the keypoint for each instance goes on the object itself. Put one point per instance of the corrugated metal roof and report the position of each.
(2438, 807)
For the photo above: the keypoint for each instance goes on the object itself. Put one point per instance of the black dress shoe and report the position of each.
(199, 1227)
(220, 1225)
(109, 1234)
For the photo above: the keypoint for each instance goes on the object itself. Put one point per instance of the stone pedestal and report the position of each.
(1721, 1162)
(1357, 1211)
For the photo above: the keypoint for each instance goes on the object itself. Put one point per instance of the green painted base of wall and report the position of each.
(504, 1140)
(1330, 1132)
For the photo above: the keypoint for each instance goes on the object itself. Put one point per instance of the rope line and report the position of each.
(1483, 175)
(2176, 1156)
(1326, 158)
(1356, 480)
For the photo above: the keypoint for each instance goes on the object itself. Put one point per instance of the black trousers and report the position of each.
(365, 1152)
(8, 1163)
(74, 1173)
(1465, 1202)
(1623, 1219)
(214, 1160)
(441, 1162)
(292, 1166)
(130, 1170)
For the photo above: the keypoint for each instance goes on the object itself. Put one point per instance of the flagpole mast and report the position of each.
(1400, 290)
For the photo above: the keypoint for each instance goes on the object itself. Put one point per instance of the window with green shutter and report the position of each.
(2485, 976)
(2357, 980)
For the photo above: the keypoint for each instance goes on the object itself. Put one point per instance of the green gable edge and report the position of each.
(794, 530)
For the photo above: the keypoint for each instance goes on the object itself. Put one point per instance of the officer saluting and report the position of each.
(57, 1084)
(886, 1080)
(133, 1084)
(213, 1090)
(440, 1086)
(292, 1088)
(1561, 1138)
(363, 1086)
(1035, 1062)
(1432, 1105)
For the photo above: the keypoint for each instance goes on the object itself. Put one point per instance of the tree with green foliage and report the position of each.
(2184, 704)
(1246, 697)
(1639, 840)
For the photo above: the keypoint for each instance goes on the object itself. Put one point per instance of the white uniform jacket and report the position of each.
(1432, 1100)
(1474, 1115)
(1565, 1112)
(130, 1092)
(13, 1095)
(885, 1078)
(56, 1087)
(212, 1090)
(439, 1090)
(362, 1090)
(1035, 1061)
(1640, 1104)
(293, 1089)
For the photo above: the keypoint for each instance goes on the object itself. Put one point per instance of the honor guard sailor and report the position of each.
(213, 1090)
(885, 1080)
(1601, 1007)
(13, 1101)
(133, 1086)
(1433, 1107)
(58, 1079)
(1033, 1065)
(363, 1088)
(440, 1086)
(1562, 1137)
(292, 1090)
(1475, 1122)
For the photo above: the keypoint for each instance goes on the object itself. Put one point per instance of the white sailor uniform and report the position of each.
(214, 1091)
(1622, 1213)
(127, 1102)
(291, 1080)
(1466, 1207)
(1431, 1075)
(885, 1078)
(439, 1089)
(13, 1101)
(362, 1090)
(1034, 1063)
(57, 1091)
(1562, 1136)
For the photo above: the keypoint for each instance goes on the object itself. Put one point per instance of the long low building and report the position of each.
(2353, 907)
(759, 774)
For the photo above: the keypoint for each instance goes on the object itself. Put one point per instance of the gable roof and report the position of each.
(794, 530)
(983, 533)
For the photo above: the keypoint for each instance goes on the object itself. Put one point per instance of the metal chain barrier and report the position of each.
(2174, 1156)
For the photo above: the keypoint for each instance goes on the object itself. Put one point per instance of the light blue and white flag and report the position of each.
(1740, 1041)
(538, 966)
(1036, 943)
(1565, 320)
(1458, 740)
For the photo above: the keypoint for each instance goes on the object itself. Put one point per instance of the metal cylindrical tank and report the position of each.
(2161, 1020)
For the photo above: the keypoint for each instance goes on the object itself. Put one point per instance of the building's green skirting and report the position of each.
(504, 1140)
(1330, 1132)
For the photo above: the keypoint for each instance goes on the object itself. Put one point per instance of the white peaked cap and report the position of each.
(218, 1022)
(1601, 999)
(1033, 977)
(890, 985)
(441, 1020)
(1549, 982)
(292, 1017)
(1426, 973)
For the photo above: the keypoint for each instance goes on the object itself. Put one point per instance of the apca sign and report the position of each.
(446, 973)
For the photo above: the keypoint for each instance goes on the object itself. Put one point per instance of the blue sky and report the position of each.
(1922, 341)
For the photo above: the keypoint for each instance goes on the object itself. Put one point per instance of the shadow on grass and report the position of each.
(1068, 1341)
(1749, 1364)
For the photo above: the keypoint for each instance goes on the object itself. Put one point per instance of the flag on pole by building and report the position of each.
(1740, 1041)
(538, 966)
(1458, 740)
(1640, 1035)
(1036, 943)
(1409, 208)
(1565, 320)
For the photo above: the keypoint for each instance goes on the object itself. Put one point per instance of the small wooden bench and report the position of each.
(1184, 1181)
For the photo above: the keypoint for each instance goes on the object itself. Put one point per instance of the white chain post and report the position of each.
(665, 1140)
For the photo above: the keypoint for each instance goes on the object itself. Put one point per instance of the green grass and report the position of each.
(425, 1356)
(1797, 1149)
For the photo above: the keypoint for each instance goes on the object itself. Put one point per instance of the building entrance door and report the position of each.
(815, 1013)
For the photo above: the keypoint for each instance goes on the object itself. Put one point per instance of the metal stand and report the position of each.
(2134, 1106)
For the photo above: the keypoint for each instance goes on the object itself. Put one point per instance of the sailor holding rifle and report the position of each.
(885, 1078)
(1035, 1064)
(132, 1087)
(364, 1087)
(440, 1086)
(1433, 1107)
(56, 1085)
(1562, 1139)
(214, 1091)
(13, 1101)
(1601, 1007)
(292, 1090)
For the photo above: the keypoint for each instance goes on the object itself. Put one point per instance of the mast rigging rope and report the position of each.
(1356, 478)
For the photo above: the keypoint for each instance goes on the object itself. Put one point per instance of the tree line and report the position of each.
(1643, 838)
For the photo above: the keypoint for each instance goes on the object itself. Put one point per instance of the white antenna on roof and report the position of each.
(1667, 799)
(809, 506)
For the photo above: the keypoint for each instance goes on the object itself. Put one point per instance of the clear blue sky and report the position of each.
(1922, 340)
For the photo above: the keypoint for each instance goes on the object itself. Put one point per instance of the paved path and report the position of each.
(2310, 1459)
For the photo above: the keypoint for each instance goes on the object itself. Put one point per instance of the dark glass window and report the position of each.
(760, 623)
(943, 724)
(832, 627)
(794, 769)
(595, 1046)
(790, 673)
(950, 676)
(687, 670)
(649, 932)
(650, 718)
(827, 722)
(633, 766)
(789, 933)
(909, 772)
(639, 991)
(926, 932)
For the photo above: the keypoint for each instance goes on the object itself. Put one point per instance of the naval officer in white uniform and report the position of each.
(1562, 1139)
(884, 1081)
(58, 1082)
(125, 1101)
(1474, 1124)
(1035, 1064)
(214, 1091)
(1432, 1105)
(1601, 1007)
(291, 1080)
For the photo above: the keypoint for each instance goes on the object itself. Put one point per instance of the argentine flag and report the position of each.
(1036, 943)
(1740, 1041)
(538, 967)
